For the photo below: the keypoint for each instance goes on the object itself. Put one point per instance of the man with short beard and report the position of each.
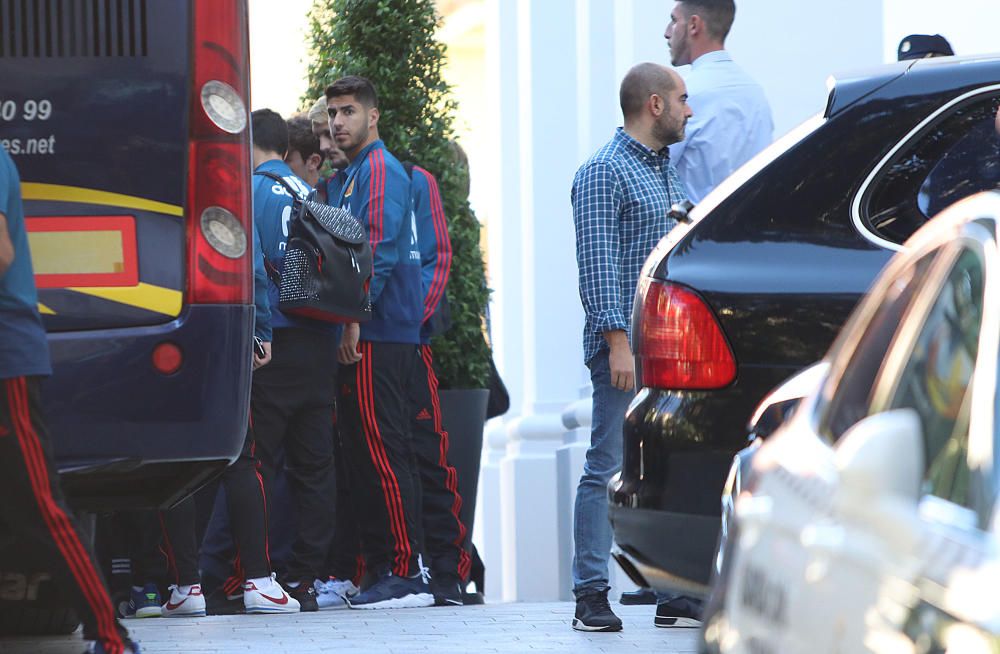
(377, 358)
(621, 199)
(732, 119)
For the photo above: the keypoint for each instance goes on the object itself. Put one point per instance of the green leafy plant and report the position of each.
(392, 43)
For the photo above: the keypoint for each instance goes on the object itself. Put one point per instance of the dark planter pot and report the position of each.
(463, 415)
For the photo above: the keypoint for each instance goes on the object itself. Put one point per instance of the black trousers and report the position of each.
(292, 407)
(374, 421)
(443, 531)
(248, 513)
(344, 560)
(34, 507)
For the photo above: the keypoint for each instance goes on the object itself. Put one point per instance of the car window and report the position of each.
(850, 395)
(936, 380)
(957, 156)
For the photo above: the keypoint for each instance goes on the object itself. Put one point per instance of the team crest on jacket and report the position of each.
(350, 189)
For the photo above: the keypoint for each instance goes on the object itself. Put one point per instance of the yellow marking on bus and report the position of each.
(60, 193)
(42, 309)
(144, 296)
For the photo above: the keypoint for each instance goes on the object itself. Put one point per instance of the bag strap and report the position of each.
(272, 273)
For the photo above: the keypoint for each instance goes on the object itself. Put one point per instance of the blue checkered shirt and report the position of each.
(621, 198)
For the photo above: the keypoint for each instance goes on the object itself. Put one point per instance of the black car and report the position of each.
(757, 282)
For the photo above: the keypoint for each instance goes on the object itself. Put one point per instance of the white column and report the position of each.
(550, 313)
(505, 274)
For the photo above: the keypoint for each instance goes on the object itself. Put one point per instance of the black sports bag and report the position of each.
(328, 263)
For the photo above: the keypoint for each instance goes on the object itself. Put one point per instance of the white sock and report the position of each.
(185, 590)
(260, 582)
(137, 589)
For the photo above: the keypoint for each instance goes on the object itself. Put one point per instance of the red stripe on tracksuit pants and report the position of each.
(34, 507)
(444, 533)
(373, 417)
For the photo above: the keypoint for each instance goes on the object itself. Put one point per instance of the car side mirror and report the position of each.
(883, 455)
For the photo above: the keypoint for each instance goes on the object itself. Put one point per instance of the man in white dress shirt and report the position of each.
(732, 119)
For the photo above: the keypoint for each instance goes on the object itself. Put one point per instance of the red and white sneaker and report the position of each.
(189, 604)
(267, 597)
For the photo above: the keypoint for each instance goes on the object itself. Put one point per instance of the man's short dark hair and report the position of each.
(717, 14)
(270, 133)
(301, 138)
(361, 88)
(640, 82)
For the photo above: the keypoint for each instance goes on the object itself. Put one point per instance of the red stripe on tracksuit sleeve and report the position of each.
(380, 459)
(442, 267)
(451, 475)
(376, 198)
(60, 527)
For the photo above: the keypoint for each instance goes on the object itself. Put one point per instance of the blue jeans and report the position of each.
(591, 529)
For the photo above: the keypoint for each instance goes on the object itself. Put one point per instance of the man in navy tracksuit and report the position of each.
(377, 359)
(444, 533)
(244, 485)
(32, 507)
(293, 396)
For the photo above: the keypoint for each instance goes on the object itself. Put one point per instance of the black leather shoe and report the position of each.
(593, 613)
(638, 597)
(305, 593)
(677, 613)
(447, 590)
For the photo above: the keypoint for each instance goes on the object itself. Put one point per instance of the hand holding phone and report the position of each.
(261, 352)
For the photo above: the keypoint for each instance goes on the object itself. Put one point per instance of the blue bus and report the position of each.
(128, 122)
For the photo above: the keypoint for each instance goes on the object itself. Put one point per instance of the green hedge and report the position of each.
(391, 42)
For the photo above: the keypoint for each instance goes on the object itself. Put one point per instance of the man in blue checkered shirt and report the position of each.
(621, 199)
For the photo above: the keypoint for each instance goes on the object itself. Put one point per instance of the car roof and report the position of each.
(922, 75)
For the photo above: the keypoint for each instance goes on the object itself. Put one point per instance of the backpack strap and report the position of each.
(281, 180)
(273, 273)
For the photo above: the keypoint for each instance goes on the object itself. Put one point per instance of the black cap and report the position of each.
(918, 46)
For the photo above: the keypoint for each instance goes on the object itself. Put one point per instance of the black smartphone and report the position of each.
(258, 347)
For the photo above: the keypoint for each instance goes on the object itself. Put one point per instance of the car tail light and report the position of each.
(219, 210)
(678, 342)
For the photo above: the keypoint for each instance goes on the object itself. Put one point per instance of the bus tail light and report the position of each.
(219, 209)
(679, 344)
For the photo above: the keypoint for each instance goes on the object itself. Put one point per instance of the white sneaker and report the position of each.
(334, 593)
(184, 605)
(269, 598)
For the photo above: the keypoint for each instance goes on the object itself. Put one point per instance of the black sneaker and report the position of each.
(638, 597)
(593, 613)
(447, 590)
(669, 614)
(305, 593)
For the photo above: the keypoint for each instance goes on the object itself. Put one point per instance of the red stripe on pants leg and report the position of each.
(169, 551)
(361, 386)
(451, 482)
(59, 525)
(390, 484)
(38, 475)
(263, 496)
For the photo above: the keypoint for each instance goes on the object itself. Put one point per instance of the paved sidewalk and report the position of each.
(473, 629)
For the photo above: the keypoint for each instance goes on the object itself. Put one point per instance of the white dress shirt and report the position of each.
(731, 123)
